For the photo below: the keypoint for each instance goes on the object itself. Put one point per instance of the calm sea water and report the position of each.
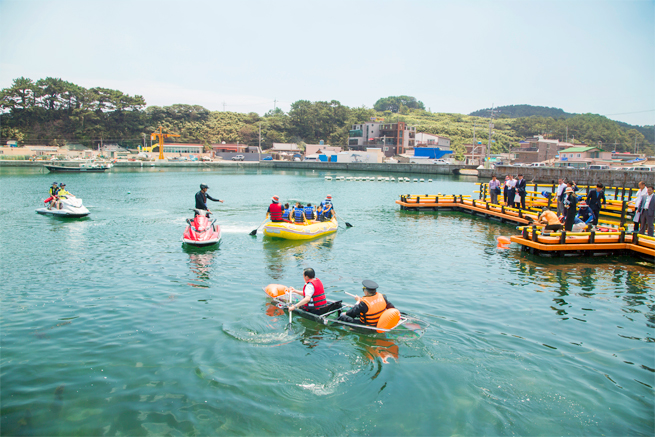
(110, 326)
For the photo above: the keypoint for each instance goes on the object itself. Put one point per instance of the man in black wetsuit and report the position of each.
(202, 196)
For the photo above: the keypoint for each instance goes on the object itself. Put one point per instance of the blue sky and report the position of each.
(455, 56)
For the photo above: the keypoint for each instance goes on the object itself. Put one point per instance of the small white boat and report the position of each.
(421, 180)
(328, 178)
(349, 178)
(415, 180)
(71, 207)
(380, 179)
(393, 180)
(429, 180)
(407, 180)
(386, 179)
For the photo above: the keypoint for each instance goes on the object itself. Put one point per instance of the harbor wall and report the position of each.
(444, 169)
(546, 175)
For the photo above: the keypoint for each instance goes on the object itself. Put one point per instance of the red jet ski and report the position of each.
(201, 230)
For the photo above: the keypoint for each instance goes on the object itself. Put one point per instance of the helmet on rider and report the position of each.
(203, 186)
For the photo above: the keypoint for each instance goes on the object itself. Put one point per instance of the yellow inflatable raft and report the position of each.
(296, 231)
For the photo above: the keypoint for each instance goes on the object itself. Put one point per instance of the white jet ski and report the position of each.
(71, 207)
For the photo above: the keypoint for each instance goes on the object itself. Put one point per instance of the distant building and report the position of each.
(391, 138)
(311, 149)
(583, 157)
(286, 147)
(182, 148)
(474, 153)
(423, 139)
(538, 149)
(228, 151)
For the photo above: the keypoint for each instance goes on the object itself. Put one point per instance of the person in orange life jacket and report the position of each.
(285, 214)
(368, 309)
(309, 212)
(299, 213)
(313, 293)
(275, 210)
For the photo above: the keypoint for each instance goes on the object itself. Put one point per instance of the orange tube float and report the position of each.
(276, 290)
(388, 319)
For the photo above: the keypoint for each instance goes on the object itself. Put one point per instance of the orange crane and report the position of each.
(160, 136)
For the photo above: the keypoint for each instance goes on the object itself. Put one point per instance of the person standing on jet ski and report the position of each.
(202, 196)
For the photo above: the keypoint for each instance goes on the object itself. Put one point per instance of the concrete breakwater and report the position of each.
(613, 178)
(444, 169)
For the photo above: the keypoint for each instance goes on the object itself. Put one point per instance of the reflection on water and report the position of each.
(280, 253)
(200, 262)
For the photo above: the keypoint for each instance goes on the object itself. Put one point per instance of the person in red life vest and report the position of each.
(368, 309)
(275, 210)
(313, 293)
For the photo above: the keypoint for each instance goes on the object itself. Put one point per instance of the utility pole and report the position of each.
(567, 134)
(635, 143)
(475, 143)
(274, 105)
(491, 125)
(223, 105)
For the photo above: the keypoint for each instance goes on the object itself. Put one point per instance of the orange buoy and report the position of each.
(389, 319)
(503, 242)
(276, 290)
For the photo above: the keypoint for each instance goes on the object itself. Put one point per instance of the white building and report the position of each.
(431, 140)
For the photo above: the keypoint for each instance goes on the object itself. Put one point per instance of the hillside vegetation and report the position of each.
(55, 112)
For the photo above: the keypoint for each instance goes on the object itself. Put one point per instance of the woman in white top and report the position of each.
(641, 192)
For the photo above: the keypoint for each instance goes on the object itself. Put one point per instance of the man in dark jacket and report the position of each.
(368, 309)
(594, 199)
(521, 189)
(202, 196)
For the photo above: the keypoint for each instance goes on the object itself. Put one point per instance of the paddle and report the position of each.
(348, 225)
(254, 232)
(290, 298)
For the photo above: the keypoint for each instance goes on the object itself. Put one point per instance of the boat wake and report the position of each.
(265, 335)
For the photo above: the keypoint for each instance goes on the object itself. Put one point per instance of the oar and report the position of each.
(348, 225)
(290, 297)
(255, 231)
(349, 294)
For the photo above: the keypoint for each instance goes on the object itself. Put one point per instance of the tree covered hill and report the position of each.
(516, 111)
(56, 112)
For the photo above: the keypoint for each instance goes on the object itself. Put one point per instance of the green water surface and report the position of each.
(110, 326)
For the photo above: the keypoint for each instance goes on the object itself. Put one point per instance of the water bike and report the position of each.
(300, 231)
(391, 323)
(70, 207)
(201, 231)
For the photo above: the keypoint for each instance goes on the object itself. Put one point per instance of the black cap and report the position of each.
(367, 283)
(63, 184)
(54, 183)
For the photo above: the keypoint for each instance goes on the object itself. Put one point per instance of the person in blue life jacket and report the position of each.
(586, 214)
(327, 208)
(319, 213)
(285, 213)
(310, 214)
(201, 198)
(299, 214)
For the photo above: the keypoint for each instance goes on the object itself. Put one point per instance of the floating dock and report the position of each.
(612, 237)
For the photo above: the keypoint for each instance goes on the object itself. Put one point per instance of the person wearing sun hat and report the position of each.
(570, 208)
(275, 210)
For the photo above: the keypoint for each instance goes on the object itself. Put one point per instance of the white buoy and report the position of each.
(328, 178)
(415, 180)
(422, 180)
(429, 180)
(393, 180)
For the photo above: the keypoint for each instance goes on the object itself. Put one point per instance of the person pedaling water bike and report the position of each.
(313, 293)
(276, 211)
(368, 309)
(201, 198)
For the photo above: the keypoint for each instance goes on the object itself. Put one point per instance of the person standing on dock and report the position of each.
(202, 196)
(521, 189)
(570, 207)
(368, 309)
(560, 196)
(647, 213)
(511, 191)
(505, 189)
(641, 192)
(494, 189)
(594, 199)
